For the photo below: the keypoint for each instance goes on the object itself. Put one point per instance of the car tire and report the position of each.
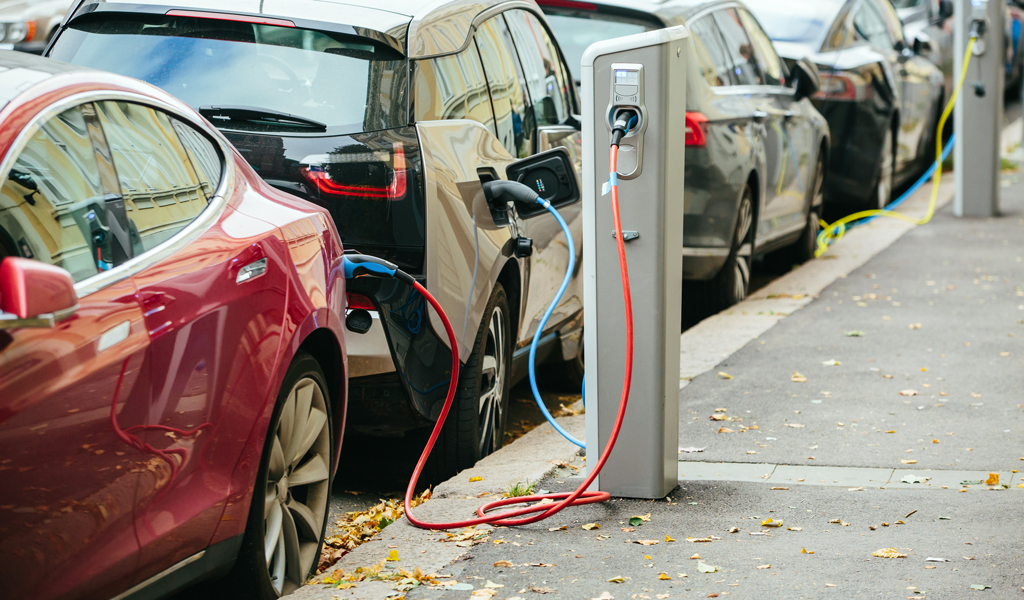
(475, 426)
(731, 284)
(292, 490)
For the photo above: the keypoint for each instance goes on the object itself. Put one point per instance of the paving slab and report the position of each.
(831, 476)
(702, 471)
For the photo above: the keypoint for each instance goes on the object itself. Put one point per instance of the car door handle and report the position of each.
(251, 271)
(759, 117)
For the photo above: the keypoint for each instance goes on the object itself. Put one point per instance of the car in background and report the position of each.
(928, 25)
(756, 149)
(172, 356)
(881, 99)
(27, 25)
(391, 119)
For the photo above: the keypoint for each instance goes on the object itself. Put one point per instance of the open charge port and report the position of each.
(628, 113)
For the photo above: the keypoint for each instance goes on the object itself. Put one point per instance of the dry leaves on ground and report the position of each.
(908, 392)
(798, 378)
(888, 553)
(359, 526)
(705, 568)
(591, 526)
(771, 523)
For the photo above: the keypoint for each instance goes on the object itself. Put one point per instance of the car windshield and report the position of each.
(347, 83)
(576, 31)
(795, 20)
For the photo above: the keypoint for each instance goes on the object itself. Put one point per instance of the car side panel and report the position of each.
(462, 239)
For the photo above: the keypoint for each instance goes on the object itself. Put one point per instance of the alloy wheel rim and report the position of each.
(745, 252)
(885, 179)
(492, 385)
(298, 485)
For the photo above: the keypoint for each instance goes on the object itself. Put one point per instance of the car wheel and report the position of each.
(884, 182)
(475, 426)
(732, 283)
(288, 517)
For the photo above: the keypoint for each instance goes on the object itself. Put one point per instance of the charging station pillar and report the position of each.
(978, 115)
(646, 73)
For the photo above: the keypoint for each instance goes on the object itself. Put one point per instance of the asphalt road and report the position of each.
(962, 283)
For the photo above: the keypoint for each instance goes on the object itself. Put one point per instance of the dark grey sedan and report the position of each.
(756, 148)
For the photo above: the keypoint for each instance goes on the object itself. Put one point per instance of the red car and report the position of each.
(172, 361)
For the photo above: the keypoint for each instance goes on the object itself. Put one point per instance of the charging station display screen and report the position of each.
(623, 77)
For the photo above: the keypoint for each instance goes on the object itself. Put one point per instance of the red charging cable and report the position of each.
(566, 499)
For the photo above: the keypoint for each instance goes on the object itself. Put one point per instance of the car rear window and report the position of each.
(577, 30)
(348, 83)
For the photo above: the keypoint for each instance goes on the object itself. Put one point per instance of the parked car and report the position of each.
(756, 148)
(882, 100)
(390, 119)
(172, 360)
(928, 25)
(27, 25)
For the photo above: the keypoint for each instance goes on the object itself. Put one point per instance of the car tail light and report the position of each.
(356, 301)
(845, 86)
(392, 181)
(202, 14)
(696, 129)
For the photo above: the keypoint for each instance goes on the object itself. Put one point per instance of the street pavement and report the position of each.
(911, 365)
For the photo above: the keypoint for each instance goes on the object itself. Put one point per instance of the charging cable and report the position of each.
(362, 266)
(834, 232)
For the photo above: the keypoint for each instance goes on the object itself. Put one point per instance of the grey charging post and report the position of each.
(977, 116)
(645, 73)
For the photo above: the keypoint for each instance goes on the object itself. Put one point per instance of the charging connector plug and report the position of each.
(624, 121)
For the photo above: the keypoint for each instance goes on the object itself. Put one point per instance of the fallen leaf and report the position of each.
(664, 577)
(795, 425)
(562, 528)
(617, 579)
(645, 542)
(484, 594)
(931, 559)
(635, 521)
(831, 363)
(854, 333)
(591, 526)
(764, 566)
(695, 557)
(628, 529)
(993, 479)
(603, 596)
(669, 538)
(539, 564)
(704, 568)
(908, 392)
(909, 462)
(751, 452)
(798, 378)
(504, 563)
(724, 375)
(914, 479)
(978, 586)
(725, 430)
(475, 479)
(806, 551)
(713, 595)
(734, 530)
(393, 556)
(795, 528)
(770, 523)
(701, 539)
(830, 585)
(914, 326)
(888, 553)
(542, 590)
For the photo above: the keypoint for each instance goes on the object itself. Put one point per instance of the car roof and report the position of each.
(20, 71)
(424, 28)
(669, 12)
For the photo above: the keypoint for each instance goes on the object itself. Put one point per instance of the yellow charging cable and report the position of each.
(836, 230)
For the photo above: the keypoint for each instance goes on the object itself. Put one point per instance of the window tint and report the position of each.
(452, 87)
(54, 206)
(507, 95)
(576, 30)
(870, 26)
(767, 60)
(162, 192)
(708, 52)
(892, 20)
(741, 51)
(547, 79)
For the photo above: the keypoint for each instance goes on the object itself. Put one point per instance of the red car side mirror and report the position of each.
(34, 294)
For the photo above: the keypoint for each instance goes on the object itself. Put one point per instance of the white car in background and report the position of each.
(27, 25)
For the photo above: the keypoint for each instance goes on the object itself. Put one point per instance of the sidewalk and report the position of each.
(940, 313)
